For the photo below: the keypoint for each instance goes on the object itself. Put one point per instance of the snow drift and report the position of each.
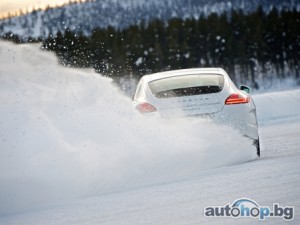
(278, 106)
(67, 133)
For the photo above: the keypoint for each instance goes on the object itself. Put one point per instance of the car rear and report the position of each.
(198, 92)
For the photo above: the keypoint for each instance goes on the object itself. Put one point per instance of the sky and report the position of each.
(7, 6)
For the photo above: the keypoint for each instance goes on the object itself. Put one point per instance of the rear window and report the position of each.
(187, 85)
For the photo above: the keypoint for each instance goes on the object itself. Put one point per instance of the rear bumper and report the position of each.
(241, 117)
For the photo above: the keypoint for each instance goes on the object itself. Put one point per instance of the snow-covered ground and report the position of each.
(74, 151)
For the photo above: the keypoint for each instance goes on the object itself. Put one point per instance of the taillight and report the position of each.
(145, 107)
(237, 98)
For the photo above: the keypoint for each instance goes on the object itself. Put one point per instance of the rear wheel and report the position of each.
(257, 145)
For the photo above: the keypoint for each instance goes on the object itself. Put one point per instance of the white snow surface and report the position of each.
(73, 150)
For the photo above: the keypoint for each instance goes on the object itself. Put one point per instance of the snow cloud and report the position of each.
(68, 133)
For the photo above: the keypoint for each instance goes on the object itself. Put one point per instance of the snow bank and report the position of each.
(277, 107)
(67, 133)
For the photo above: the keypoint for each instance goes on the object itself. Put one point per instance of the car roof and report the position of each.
(182, 72)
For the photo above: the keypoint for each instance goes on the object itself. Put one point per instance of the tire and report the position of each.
(257, 145)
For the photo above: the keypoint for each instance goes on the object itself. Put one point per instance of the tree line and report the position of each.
(250, 47)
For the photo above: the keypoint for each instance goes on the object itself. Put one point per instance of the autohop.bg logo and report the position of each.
(245, 207)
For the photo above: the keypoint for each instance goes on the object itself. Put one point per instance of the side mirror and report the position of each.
(245, 89)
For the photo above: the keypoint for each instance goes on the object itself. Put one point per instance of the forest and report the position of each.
(251, 47)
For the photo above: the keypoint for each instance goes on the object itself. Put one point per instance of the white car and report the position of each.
(204, 92)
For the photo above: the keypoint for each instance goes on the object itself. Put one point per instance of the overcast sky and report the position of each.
(15, 5)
